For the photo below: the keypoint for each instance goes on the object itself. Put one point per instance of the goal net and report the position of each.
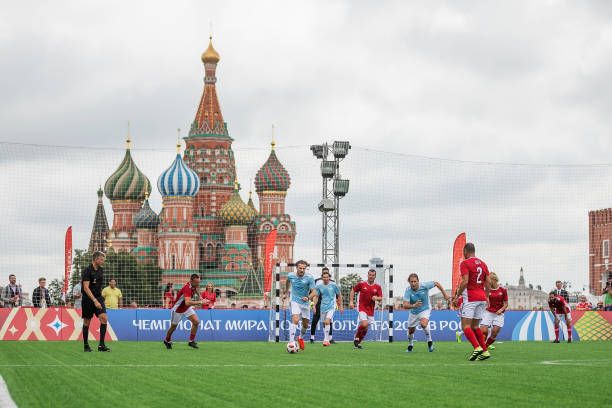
(344, 325)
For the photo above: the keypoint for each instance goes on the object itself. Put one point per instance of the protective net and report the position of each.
(530, 223)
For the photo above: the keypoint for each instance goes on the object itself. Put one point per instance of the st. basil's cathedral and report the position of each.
(204, 226)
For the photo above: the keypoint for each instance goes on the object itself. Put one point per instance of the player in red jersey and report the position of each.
(560, 308)
(183, 308)
(474, 288)
(369, 294)
(494, 315)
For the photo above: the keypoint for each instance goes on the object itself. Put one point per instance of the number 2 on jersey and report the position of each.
(479, 269)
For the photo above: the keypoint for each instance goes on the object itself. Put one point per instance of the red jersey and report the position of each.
(497, 297)
(169, 297)
(211, 296)
(583, 305)
(478, 272)
(366, 291)
(179, 302)
(559, 305)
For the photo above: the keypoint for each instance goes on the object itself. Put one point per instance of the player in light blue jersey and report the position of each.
(416, 299)
(302, 290)
(327, 291)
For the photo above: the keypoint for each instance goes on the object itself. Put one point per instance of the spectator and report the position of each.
(40, 295)
(245, 306)
(560, 291)
(134, 305)
(210, 295)
(233, 306)
(584, 304)
(77, 295)
(607, 303)
(168, 296)
(11, 294)
(112, 295)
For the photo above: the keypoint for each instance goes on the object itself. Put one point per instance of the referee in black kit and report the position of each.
(93, 302)
(316, 314)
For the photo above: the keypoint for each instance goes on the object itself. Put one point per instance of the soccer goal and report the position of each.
(344, 324)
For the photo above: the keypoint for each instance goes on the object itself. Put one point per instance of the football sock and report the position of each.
(569, 332)
(102, 333)
(167, 338)
(292, 330)
(85, 335)
(469, 334)
(427, 332)
(364, 331)
(303, 331)
(556, 332)
(480, 338)
(326, 331)
(410, 339)
(192, 336)
(490, 341)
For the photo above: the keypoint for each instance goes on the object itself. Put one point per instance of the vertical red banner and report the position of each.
(457, 258)
(269, 259)
(67, 258)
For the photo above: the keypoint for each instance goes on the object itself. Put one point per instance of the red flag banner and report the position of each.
(67, 258)
(457, 258)
(269, 260)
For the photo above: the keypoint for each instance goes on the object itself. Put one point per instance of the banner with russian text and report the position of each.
(457, 258)
(269, 259)
(67, 259)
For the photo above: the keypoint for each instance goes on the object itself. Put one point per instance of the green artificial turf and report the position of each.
(245, 374)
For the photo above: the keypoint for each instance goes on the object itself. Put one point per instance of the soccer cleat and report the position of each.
(311, 340)
(356, 344)
(458, 336)
(409, 349)
(103, 348)
(430, 346)
(477, 351)
(332, 341)
(193, 344)
(168, 344)
(484, 355)
(556, 341)
(326, 343)
(301, 343)
(490, 347)
(87, 349)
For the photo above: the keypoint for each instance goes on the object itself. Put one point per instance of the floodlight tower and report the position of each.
(334, 188)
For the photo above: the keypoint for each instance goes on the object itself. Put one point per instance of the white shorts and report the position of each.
(298, 309)
(415, 318)
(492, 319)
(561, 316)
(473, 310)
(327, 315)
(364, 316)
(177, 317)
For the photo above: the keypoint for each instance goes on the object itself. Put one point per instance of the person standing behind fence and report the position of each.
(93, 302)
(11, 294)
(560, 291)
(209, 296)
(112, 295)
(77, 295)
(40, 295)
(168, 296)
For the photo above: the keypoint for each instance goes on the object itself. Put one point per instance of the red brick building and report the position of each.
(600, 235)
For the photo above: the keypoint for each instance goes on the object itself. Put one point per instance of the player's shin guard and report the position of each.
(480, 338)
(469, 334)
(364, 331)
(292, 330)
(556, 332)
(85, 335)
(102, 333)
(410, 339)
(427, 332)
(303, 331)
(490, 341)
(326, 331)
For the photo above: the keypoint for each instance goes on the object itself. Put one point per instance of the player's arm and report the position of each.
(339, 298)
(487, 285)
(120, 300)
(464, 282)
(505, 305)
(352, 298)
(310, 296)
(189, 302)
(90, 295)
(287, 287)
(437, 285)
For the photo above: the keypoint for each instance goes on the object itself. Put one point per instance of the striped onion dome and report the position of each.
(272, 176)
(146, 217)
(235, 211)
(127, 182)
(178, 180)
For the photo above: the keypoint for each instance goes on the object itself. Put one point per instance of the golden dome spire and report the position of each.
(210, 55)
(272, 142)
(178, 142)
(127, 141)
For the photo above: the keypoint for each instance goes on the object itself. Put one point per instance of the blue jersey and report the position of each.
(327, 293)
(422, 294)
(300, 287)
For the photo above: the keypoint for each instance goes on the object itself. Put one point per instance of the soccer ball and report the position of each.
(292, 347)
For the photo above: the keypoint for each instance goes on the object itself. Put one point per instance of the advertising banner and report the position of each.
(457, 258)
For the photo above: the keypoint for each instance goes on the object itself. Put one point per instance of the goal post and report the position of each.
(344, 325)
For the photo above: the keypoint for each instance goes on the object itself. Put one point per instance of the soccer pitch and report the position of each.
(240, 374)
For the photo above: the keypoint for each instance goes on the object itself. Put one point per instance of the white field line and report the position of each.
(604, 362)
(5, 398)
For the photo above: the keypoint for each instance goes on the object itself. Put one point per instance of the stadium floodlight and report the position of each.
(318, 151)
(341, 187)
(341, 149)
(326, 205)
(328, 168)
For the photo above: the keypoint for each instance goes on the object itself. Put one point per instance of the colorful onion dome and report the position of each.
(178, 180)
(272, 176)
(127, 182)
(146, 217)
(235, 211)
(210, 55)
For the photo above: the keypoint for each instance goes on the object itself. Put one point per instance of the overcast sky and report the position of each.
(506, 82)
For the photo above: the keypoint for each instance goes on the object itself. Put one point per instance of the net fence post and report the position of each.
(277, 306)
(390, 303)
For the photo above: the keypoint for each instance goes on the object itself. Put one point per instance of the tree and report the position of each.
(346, 285)
(55, 292)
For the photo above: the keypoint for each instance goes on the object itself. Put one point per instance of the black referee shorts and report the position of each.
(89, 309)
